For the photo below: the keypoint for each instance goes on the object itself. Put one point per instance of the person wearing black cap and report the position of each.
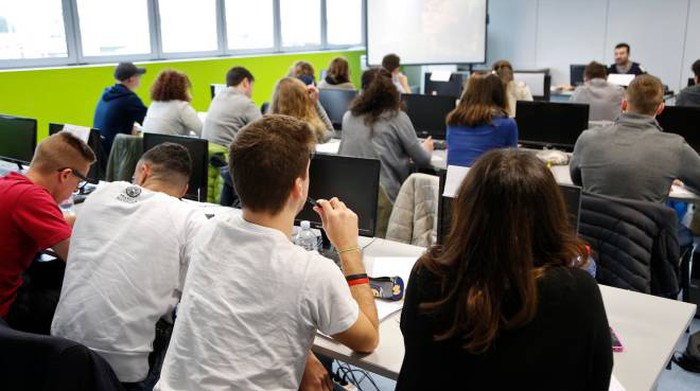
(119, 107)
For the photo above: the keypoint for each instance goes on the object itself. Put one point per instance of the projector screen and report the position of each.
(427, 31)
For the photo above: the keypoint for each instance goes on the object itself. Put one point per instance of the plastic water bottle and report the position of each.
(67, 205)
(305, 237)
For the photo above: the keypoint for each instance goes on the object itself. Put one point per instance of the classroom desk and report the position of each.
(649, 328)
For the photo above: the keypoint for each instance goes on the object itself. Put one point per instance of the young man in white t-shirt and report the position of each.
(253, 300)
(129, 254)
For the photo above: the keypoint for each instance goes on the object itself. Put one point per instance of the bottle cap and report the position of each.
(305, 224)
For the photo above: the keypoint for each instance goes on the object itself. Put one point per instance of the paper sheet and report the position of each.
(440, 75)
(390, 267)
(80, 132)
(615, 384)
(455, 176)
(330, 147)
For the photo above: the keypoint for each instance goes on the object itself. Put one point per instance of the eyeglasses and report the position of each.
(83, 179)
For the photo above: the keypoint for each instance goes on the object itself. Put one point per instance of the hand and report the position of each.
(677, 182)
(315, 376)
(428, 144)
(313, 93)
(70, 218)
(403, 79)
(339, 222)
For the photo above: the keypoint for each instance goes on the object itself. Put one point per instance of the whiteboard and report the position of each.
(427, 31)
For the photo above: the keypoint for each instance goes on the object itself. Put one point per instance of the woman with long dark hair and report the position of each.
(504, 304)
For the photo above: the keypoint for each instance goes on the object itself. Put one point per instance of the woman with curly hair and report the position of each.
(170, 111)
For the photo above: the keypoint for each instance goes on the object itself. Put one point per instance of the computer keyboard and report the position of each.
(439, 145)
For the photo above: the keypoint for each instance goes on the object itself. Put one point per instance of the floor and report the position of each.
(675, 379)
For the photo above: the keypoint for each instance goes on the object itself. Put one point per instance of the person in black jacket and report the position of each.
(622, 64)
(119, 107)
(504, 303)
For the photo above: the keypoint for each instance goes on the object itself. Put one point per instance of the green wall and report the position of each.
(69, 94)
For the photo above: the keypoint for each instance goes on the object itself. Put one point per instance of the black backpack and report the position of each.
(690, 359)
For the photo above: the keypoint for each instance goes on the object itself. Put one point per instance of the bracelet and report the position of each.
(358, 281)
(345, 250)
(355, 277)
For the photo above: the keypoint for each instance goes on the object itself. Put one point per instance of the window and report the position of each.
(250, 24)
(114, 27)
(28, 34)
(188, 26)
(301, 22)
(344, 22)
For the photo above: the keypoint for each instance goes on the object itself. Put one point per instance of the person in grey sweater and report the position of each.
(690, 96)
(231, 108)
(603, 98)
(376, 128)
(633, 158)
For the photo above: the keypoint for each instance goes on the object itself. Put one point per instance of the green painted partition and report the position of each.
(69, 94)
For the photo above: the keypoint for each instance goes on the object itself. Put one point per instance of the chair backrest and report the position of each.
(634, 243)
(125, 154)
(414, 215)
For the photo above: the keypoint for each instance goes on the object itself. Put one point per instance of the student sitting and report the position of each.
(690, 96)
(231, 109)
(338, 75)
(304, 71)
(504, 303)
(634, 158)
(480, 122)
(603, 98)
(392, 63)
(376, 128)
(131, 248)
(515, 90)
(292, 97)
(170, 111)
(253, 300)
(119, 107)
(32, 222)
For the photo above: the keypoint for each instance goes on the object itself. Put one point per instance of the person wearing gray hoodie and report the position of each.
(603, 98)
(690, 96)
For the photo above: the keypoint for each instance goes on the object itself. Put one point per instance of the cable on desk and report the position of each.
(369, 244)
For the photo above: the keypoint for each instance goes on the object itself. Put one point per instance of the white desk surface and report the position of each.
(649, 328)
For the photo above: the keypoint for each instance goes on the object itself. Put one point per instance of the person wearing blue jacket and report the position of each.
(480, 122)
(119, 107)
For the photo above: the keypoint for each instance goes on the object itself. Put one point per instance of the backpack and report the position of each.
(690, 359)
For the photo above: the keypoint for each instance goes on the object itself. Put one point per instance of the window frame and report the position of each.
(75, 56)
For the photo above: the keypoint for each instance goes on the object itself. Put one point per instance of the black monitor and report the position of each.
(452, 87)
(336, 102)
(354, 181)
(199, 152)
(576, 72)
(684, 121)
(549, 124)
(691, 81)
(97, 170)
(428, 113)
(17, 139)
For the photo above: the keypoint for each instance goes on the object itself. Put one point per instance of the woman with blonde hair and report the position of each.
(337, 75)
(293, 98)
(515, 90)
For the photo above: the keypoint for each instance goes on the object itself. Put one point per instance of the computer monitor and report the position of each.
(684, 121)
(216, 88)
(452, 87)
(576, 72)
(97, 170)
(539, 82)
(354, 181)
(622, 80)
(428, 113)
(199, 152)
(17, 139)
(550, 124)
(336, 102)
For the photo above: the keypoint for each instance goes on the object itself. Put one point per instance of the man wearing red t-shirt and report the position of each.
(29, 212)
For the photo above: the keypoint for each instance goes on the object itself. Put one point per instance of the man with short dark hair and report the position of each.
(690, 96)
(119, 107)
(392, 63)
(603, 98)
(231, 109)
(32, 220)
(132, 244)
(634, 158)
(253, 300)
(623, 64)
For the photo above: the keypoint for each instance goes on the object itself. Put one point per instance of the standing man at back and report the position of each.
(119, 107)
(623, 64)
(690, 96)
(253, 300)
(634, 158)
(603, 98)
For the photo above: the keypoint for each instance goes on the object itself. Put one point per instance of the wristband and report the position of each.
(355, 277)
(345, 250)
(358, 281)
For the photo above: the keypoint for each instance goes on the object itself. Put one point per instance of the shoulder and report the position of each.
(569, 286)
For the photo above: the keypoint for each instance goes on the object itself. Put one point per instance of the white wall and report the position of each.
(556, 33)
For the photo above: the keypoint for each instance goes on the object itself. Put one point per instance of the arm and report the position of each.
(315, 377)
(138, 109)
(512, 136)
(526, 93)
(191, 120)
(575, 163)
(252, 112)
(324, 117)
(407, 134)
(690, 168)
(340, 223)
(61, 249)
(403, 80)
